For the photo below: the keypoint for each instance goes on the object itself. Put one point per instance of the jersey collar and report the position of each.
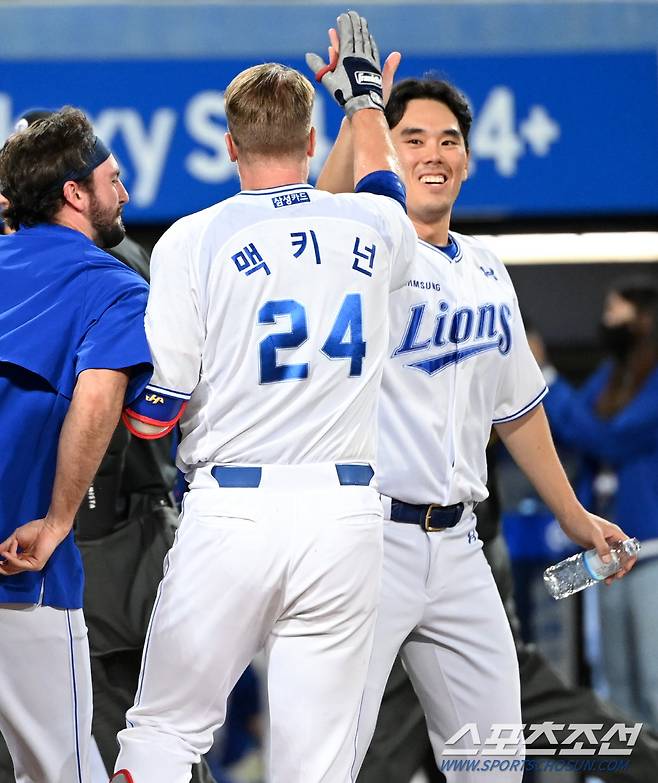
(277, 190)
(455, 250)
(54, 229)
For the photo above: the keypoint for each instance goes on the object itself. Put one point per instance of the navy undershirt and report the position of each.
(450, 249)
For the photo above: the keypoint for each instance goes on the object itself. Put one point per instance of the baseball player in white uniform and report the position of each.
(458, 363)
(268, 324)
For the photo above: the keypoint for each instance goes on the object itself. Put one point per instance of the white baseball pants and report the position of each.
(45, 692)
(292, 566)
(439, 605)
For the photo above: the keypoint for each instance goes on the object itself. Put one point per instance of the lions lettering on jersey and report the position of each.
(457, 338)
(475, 330)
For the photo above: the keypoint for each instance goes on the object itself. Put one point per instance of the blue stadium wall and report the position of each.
(565, 94)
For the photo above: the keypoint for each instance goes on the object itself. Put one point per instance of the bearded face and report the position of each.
(107, 197)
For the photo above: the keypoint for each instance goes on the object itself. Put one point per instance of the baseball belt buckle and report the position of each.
(428, 519)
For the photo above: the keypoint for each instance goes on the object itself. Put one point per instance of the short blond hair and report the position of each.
(268, 110)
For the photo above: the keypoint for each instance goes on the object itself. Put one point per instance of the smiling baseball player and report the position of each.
(458, 362)
(268, 324)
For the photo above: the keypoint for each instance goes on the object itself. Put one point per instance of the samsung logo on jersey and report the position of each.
(424, 285)
(462, 333)
(288, 199)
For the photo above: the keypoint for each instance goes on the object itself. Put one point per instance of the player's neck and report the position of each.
(75, 220)
(271, 174)
(434, 232)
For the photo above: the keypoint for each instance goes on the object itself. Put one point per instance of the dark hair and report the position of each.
(640, 290)
(432, 89)
(34, 162)
(627, 377)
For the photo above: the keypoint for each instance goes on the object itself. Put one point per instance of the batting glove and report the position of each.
(354, 79)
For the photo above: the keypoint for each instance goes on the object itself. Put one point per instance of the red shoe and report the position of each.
(122, 776)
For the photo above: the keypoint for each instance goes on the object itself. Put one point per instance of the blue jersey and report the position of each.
(65, 306)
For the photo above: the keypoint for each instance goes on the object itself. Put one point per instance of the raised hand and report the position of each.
(353, 75)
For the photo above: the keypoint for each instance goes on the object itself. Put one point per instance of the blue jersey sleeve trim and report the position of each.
(169, 392)
(153, 406)
(526, 408)
(384, 183)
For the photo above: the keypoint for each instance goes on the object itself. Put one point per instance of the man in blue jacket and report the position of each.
(72, 351)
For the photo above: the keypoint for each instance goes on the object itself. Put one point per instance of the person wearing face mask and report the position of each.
(613, 422)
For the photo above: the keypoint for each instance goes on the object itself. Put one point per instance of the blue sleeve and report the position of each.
(631, 433)
(589, 392)
(384, 183)
(115, 338)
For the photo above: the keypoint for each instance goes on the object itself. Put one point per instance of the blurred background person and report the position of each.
(612, 421)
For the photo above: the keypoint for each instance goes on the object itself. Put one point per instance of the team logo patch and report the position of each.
(368, 78)
(155, 406)
(489, 272)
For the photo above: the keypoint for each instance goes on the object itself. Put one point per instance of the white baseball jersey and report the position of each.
(268, 312)
(459, 362)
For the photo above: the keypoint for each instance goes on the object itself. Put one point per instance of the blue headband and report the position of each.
(99, 154)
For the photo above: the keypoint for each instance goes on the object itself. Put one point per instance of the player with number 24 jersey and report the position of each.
(279, 252)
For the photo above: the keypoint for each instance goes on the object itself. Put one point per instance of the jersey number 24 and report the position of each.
(345, 340)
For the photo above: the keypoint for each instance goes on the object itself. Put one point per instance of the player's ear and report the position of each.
(75, 196)
(231, 147)
(310, 150)
(468, 161)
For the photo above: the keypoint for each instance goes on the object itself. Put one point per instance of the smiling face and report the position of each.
(434, 162)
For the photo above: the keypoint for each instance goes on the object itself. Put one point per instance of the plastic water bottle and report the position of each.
(586, 568)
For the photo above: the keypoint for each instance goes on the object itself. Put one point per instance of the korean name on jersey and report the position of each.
(269, 313)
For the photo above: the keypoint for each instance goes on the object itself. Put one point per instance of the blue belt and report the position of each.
(431, 517)
(349, 474)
